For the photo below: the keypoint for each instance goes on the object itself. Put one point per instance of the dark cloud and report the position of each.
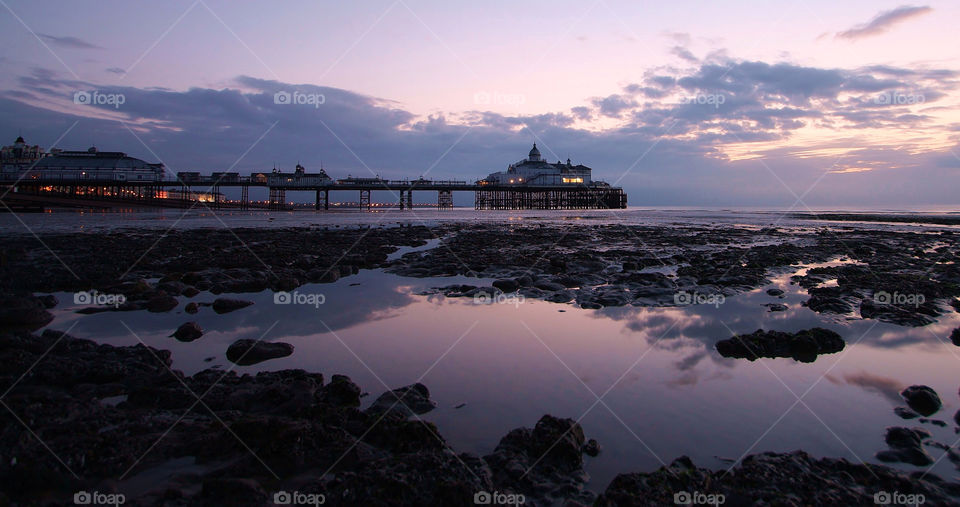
(684, 54)
(614, 105)
(883, 22)
(68, 42)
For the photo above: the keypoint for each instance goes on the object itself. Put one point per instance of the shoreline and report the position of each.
(543, 262)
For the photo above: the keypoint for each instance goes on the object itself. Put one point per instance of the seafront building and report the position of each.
(535, 171)
(21, 161)
(19, 156)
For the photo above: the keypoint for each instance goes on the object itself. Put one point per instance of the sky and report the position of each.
(751, 103)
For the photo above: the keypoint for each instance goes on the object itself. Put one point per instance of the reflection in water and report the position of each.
(665, 390)
(888, 387)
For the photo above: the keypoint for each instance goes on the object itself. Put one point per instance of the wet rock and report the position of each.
(226, 305)
(560, 296)
(506, 285)
(23, 312)
(829, 300)
(905, 413)
(192, 307)
(190, 292)
(544, 463)
(548, 285)
(906, 446)
(955, 337)
(774, 292)
(230, 491)
(914, 316)
(187, 332)
(922, 399)
(793, 478)
(591, 448)
(49, 301)
(405, 401)
(245, 352)
(775, 307)
(161, 302)
(802, 346)
(341, 391)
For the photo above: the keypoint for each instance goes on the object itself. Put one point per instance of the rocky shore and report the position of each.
(82, 418)
(905, 278)
(79, 417)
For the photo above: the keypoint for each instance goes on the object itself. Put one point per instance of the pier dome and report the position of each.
(534, 155)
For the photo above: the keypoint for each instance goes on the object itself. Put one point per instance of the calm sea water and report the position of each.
(645, 382)
(69, 220)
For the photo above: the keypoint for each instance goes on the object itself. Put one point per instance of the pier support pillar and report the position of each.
(444, 199)
(365, 199)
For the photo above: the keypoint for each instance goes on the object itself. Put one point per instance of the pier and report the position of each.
(189, 188)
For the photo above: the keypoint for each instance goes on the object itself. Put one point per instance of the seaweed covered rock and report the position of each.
(803, 346)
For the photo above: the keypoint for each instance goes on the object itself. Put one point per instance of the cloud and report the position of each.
(116, 70)
(68, 42)
(684, 54)
(662, 149)
(883, 22)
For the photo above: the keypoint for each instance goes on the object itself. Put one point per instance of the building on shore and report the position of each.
(20, 156)
(535, 171)
(21, 161)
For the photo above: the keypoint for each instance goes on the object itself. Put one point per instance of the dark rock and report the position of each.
(190, 292)
(229, 491)
(793, 478)
(544, 463)
(955, 337)
(775, 292)
(905, 413)
(341, 391)
(23, 312)
(49, 301)
(161, 302)
(548, 285)
(775, 307)
(922, 399)
(192, 307)
(405, 401)
(906, 446)
(188, 332)
(591, 448)
(225, 305)
(802, 346)
(506, 285)
(245, 352)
